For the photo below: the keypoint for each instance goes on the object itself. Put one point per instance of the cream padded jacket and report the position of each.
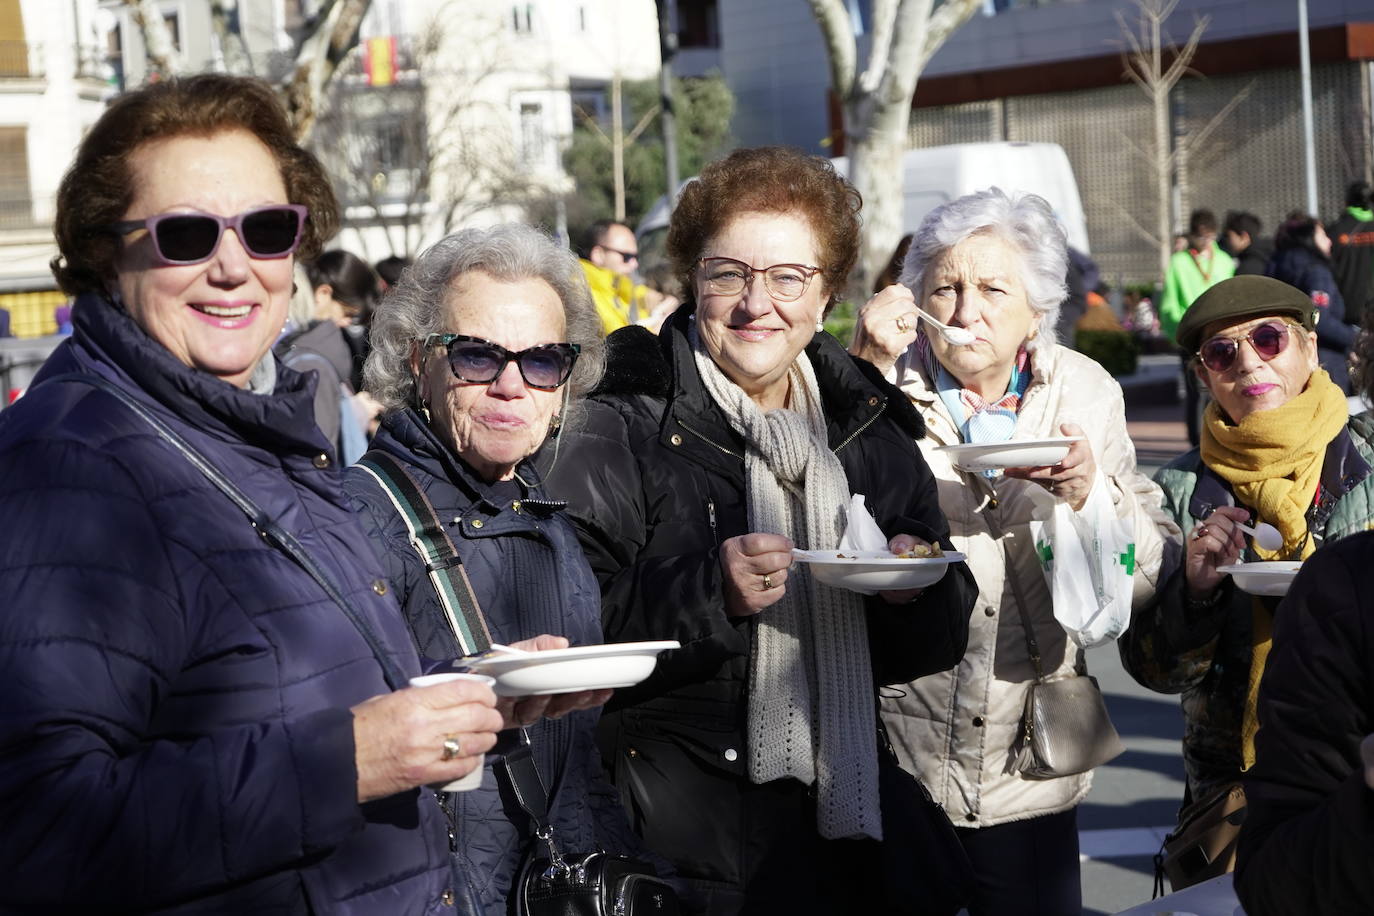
(955, 729)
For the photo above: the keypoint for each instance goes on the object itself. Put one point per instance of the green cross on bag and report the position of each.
(1128, 559)
(1045, 552)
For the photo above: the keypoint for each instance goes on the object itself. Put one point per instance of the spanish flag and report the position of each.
(380, 61)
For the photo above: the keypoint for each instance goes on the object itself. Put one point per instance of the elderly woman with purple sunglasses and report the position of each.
(1277, 447)
(192, 721)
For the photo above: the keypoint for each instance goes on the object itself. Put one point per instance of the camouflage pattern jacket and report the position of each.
(1204, 654)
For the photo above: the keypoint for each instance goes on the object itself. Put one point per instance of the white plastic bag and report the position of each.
(1089, 561)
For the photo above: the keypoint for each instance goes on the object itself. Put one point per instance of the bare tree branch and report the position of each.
(158, 47)
(320, 53)
(943, 22)
(1200, 137)
(838, 31)
(591, 122)
(1135, 226)
(884, 20)
(224, 17)
(644, 122)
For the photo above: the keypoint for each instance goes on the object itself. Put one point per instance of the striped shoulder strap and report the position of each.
(431, 542)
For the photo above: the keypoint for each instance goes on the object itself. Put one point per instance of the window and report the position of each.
(532, 137)
(14, 51)
(698, 24)
(522, 18)
(173, 21)
(16, 205)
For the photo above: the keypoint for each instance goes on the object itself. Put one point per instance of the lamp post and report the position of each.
(1309, 153)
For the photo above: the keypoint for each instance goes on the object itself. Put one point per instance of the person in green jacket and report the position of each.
(1192, 272)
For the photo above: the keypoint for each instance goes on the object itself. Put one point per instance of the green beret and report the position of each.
(1240, 298)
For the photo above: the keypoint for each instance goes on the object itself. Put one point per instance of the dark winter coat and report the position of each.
(175, 733)
(1352, 262)
(1255, 258)
(321, 347)
(529, 576)
(656, 481)
(1308, 837)
(1310, 273)
(1205, 654)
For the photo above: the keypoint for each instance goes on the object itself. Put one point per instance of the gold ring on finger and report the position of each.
(902, 325)
(452, 748)
(767, 582)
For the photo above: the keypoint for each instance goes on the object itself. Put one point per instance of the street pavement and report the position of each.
(1135, 798)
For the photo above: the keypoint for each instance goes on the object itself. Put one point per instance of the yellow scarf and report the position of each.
(1273, 462)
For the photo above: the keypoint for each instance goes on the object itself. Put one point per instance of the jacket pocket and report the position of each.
(680, 782)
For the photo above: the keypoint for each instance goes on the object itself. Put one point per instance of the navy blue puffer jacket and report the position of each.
(175, 733)
(530, 577)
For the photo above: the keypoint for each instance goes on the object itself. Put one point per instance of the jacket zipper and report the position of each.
(711, 518)
(709, 441)
(867, 423)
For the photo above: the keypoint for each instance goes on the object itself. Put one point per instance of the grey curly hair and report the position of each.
(1023, 220)
(414, 308)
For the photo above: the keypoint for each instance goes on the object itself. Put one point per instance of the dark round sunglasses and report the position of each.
(1269, 340)
(473, 359)
(194, 237)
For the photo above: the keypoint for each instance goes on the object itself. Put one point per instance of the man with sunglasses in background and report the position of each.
(1278, 447)
(610, 256)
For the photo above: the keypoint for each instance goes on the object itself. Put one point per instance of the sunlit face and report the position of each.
(220, 316)
(1253, 384)
(977, 285)
(493, 426)
(752, 336)
(618, 251)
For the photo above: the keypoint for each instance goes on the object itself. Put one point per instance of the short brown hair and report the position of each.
(769, 179)
(98, 187)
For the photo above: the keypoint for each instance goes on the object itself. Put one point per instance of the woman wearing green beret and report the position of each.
(1277, 447)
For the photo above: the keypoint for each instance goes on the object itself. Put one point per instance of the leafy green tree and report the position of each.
(704, 106)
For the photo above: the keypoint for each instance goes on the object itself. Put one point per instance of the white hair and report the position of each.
(414, 308)
(1024, 221)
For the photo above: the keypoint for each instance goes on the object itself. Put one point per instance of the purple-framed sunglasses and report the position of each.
(193, 237)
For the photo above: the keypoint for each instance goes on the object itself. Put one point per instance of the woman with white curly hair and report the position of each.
(993, 265)
(478, 352)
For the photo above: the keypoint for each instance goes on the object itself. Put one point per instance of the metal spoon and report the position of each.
(1265, 535)
(958, 337)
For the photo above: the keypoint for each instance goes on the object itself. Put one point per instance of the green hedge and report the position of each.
(1117, 351)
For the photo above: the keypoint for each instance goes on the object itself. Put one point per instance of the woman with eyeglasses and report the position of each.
(481, 353)
(991, 265)
(191, 721)
(750, 757)
(1277, 447)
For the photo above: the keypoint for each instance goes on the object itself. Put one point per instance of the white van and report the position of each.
(938, 174)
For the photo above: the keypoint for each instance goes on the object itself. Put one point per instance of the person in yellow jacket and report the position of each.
(609, 256)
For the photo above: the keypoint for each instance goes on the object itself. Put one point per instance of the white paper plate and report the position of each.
(1270, 577)
(1018, 453)
(567, 670)
(863, 571)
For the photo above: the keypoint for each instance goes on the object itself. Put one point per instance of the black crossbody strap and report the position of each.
(431, 542)
(266, 526)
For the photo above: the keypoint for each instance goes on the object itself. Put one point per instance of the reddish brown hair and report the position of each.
(769, 179)
(98, 187)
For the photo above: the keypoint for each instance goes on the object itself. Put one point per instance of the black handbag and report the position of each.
(925, 869)
(553, 883)
(550, 882)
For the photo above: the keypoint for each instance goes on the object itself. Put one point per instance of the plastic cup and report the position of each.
(473, 779)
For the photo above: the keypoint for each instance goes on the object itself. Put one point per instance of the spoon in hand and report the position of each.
(958, 337)
(1265, 535)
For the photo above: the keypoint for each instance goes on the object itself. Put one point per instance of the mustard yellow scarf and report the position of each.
(1273, 462)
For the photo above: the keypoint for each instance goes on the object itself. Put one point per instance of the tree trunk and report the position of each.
(875, 168)
(618, 147)
(158, 48)
(1163, 155)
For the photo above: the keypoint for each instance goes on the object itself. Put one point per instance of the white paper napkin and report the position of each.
(861, 532)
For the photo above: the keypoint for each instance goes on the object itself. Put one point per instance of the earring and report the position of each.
(820, 326)
(555, 424)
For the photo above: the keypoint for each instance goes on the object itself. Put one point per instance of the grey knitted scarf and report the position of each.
(811, 706)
